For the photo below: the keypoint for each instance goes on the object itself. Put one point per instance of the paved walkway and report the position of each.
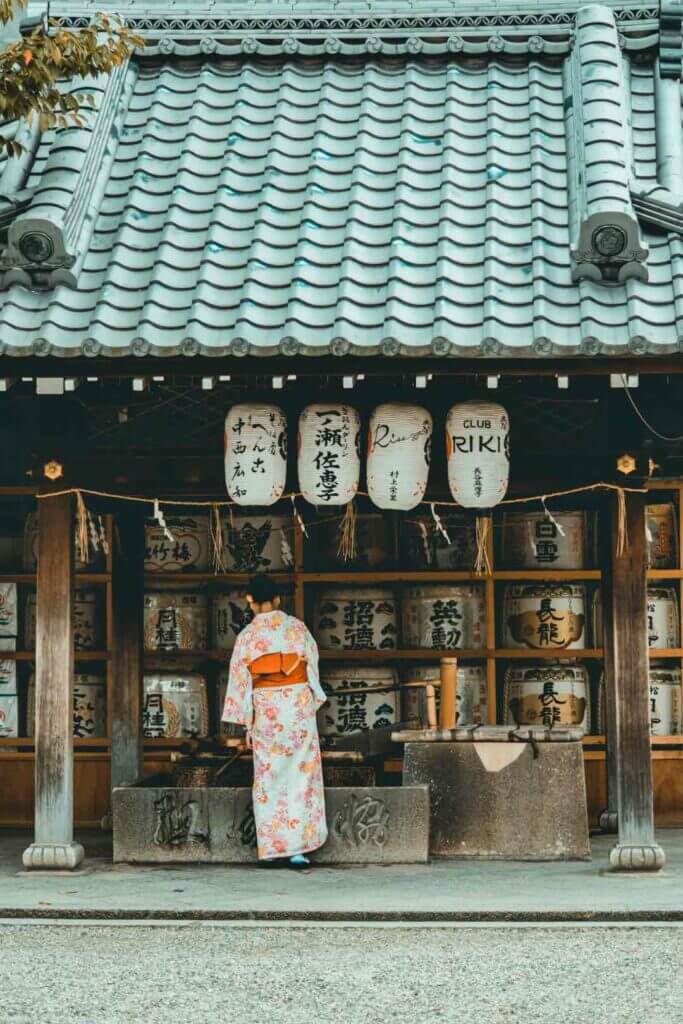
(444, 890)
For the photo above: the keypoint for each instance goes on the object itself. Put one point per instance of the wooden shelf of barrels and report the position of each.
(526, 633)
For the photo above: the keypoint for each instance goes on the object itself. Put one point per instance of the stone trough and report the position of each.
(157, 823)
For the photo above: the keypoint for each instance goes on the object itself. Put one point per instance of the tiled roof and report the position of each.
(374, 206)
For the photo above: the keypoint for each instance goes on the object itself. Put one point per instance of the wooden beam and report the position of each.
(53, 845)
(627, 691)
(128, 587)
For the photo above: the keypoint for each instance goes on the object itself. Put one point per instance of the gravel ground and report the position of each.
(106, 975)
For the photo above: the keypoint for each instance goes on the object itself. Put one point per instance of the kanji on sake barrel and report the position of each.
(445, 616)
(534, 540)
(328, 453)
(356, 619)
(88, 620)
(663, 622)
(548, 695)
(89, 705)
(361, 697)
(478, 453)
(666, 700)
(545, 616)
(255, 453)
(187, 551)
(399, 453)
(176, 621)
(174, 704)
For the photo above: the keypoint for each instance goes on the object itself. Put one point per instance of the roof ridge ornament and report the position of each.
(604, 232)
(48, 239)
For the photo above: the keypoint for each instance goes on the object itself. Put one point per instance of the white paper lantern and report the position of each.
(478, 452)
(328, 454)
(255, 453)
(399, 449)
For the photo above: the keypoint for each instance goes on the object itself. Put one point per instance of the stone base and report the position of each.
(636, 858)
(496, 801)
(367, 825)
(609, 822)
(53, 856)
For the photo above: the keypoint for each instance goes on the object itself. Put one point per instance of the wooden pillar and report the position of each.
(53, 845)
(608, 817)
(128, 586)
(627, 692)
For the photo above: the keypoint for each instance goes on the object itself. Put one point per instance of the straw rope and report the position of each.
(347, 541)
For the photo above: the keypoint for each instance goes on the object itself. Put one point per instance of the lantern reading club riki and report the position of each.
(255, 453)
(399, 450)
(328, 454)
(478, 451)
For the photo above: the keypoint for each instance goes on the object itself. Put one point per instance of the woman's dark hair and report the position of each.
(263, 589)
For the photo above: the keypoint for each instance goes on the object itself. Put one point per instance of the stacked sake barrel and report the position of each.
(89, 706)
(546, 616)
(368, 695)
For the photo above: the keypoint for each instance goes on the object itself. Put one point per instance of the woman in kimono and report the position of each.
(274, 691)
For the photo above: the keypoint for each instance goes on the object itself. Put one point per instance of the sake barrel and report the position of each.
(9, 702)
(545, 616)
(175, 704)
(176, 621)
(478, 453)
(189, 551)
(8, 609)
(547, 695)
(355, 619)
(444, 616)
(424, 546)
(231, 614)
(666, 700)
(96, 543)
(373, 543)
(472, 694)
(89, 695)
(531, 540)
(663, 624)
(399, 452)
(255, 453)
(662, 535)
(328, 453)
(258, 543)
(361, 697)
(88, 620)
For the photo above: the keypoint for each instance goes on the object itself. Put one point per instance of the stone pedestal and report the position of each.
(499, 801)
(158, 824)
(52, 856)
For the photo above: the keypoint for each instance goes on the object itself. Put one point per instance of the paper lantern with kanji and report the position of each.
(328, 455)
(255, 453)
(478, 452)
(399, 450)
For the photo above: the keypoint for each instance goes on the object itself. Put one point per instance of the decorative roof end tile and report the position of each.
(606, 245)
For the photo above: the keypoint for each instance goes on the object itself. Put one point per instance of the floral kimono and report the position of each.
(289, 798)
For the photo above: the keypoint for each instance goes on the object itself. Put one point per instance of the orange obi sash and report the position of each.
(278, 670)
